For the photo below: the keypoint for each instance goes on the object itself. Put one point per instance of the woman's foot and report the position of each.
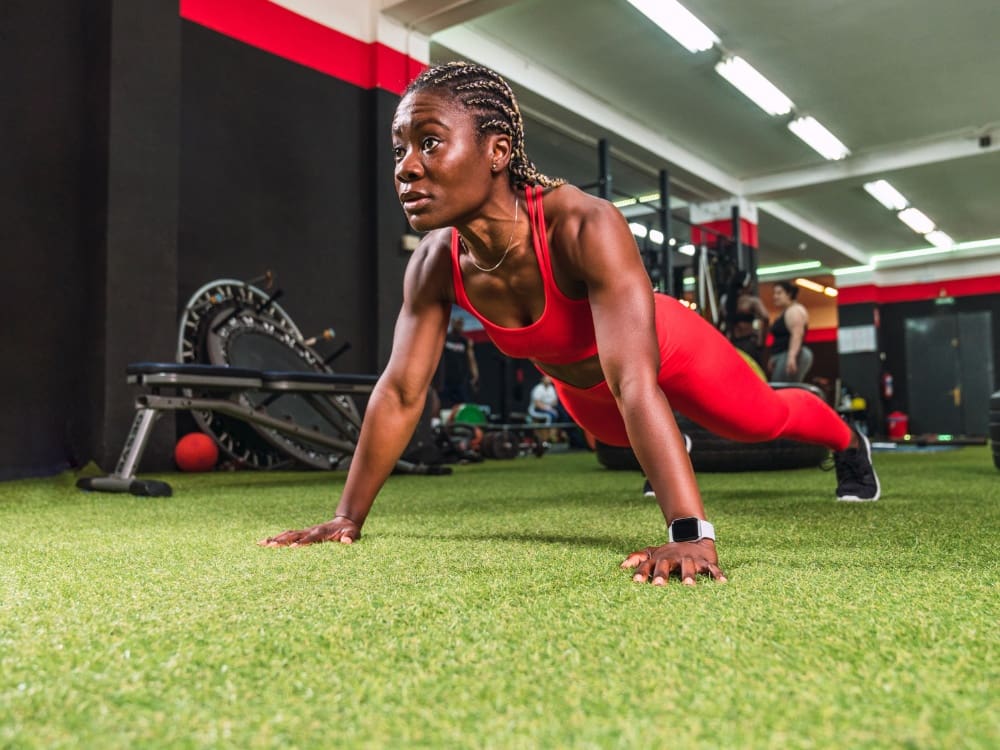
(857, 481)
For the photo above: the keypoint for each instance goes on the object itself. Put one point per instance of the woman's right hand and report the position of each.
(341, 529)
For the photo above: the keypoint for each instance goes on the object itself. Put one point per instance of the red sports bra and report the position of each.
(565, 331)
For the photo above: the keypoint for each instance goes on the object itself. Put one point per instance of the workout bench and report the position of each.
(244, 395)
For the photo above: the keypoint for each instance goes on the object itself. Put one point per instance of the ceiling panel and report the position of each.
(887, 77)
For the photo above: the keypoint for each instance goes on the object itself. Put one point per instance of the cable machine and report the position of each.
(714, 265)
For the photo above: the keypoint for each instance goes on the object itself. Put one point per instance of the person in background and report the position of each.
(747, 320)
(459, 370)
(790, 358)
(554, 276)
(543, 406)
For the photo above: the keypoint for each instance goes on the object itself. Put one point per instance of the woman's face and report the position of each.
(442, 167)
(780, 297)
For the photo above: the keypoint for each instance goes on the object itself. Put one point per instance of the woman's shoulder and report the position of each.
(568, 200)
(434, 247)
(797, 312)
(430, 266)
(568, 210)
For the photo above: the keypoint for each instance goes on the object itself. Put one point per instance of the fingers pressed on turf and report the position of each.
(644, 570)
(664, 568)
(633, 560)
(716, 572)
(688, 571)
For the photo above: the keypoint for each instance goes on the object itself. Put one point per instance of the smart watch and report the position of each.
(690, 530)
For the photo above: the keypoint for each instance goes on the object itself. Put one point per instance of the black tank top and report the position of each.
(782, 336)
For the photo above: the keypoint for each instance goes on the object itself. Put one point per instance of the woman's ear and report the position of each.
(500, 152)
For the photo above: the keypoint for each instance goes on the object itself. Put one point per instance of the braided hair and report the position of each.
(494, 107)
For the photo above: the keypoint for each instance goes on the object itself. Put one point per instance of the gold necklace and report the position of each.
(503, 257)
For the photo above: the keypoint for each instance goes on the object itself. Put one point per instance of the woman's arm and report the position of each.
(470, 350)
(763, 321)
(396, 402)
(604, 254)
(796, 319)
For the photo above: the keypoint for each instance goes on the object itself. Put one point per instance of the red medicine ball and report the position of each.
(196, 451)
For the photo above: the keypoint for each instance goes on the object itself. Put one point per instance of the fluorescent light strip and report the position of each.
(922, 252)
(787, 268)
(972, 245)
(940, 239)
(639, 230)
(853, 269)
(808, 284)
(818, 138)
(679, 23)
(877, 259)
(829, 291)
(754, 86)
(916, 220)
(887, 195)
(625, 202)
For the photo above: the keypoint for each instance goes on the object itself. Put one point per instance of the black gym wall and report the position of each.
(46, 231)
(144, 157)
(89, 140)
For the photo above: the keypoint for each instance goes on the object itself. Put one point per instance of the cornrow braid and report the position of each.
(492, 101)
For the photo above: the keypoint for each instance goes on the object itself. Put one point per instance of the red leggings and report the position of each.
(706, 380)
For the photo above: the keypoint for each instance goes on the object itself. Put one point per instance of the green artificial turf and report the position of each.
(487, 610)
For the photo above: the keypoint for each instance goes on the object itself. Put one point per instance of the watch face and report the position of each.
(684, 529)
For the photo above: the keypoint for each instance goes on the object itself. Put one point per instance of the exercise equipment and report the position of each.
(196, 451)
(711, 453)
(252, 383)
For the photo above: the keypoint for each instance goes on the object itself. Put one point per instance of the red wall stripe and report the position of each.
(821, 335)
(281, 32)
(871, 293)
(813, 336)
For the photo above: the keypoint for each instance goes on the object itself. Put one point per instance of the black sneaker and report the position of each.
(857, 481)
(647, 488)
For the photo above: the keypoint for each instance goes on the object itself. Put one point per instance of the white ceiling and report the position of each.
(908, 85)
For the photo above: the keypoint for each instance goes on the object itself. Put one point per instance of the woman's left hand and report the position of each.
(686, 559)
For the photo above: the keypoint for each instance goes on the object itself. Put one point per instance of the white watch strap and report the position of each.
(705, 531)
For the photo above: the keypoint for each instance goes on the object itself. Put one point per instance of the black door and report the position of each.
(949, 364)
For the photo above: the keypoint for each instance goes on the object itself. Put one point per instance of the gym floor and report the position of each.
(487, 609)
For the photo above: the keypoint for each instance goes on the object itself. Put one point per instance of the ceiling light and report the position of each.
(916, 220)
(687, 249)
(754, 86)
(787, 268)
(811, 285)
(853, 269)
(818, 138)
(829, 291)
(878, 260)
(887, 195)
(638, 229)
(655, 235)
(679, 22)
(940, 239)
